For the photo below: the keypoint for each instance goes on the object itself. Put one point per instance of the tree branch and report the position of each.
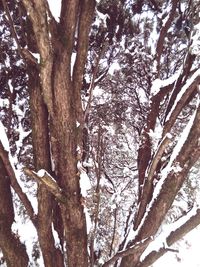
(186, 90)
(148, 182)
(38, 15)
(173, 237)
(50, 184)
(26, 55)
(68, 19)
(85, 20)
(15, 185)
(173, 181)
(164, 143)
(170, 185)
(163, 33)
(133, 250)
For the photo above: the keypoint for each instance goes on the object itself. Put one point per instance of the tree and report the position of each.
(64, 62)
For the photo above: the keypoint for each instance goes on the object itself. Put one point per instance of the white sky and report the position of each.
(55, 6)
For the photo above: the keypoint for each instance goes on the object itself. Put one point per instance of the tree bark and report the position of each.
(40, 137)
(55, 122)
(169, 189)
(13, 250)
(174, 236)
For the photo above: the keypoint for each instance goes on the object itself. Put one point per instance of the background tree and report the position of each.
(99, 119)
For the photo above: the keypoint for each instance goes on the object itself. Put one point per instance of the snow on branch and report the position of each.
(181, 141)
(195, 79)
(181, 99)
(3, 137)
(158, 84)
(135, 249)
(172, 234)
(43, 177)
(165, 142)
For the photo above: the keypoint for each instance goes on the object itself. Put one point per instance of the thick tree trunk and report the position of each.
(13, 250)
(67, 137)
(40, 136)
(55, 122)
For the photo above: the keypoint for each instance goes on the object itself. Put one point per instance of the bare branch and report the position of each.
(114, 232)
(24, 199)
(85, 20)
(69, 13)
(38, 16)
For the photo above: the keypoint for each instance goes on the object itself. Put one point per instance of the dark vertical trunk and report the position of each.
(13, 250)
(40, 136)
(68, 141)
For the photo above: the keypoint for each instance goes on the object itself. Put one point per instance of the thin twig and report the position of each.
(114, 231)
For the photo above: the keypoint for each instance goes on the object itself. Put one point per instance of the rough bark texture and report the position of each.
(13, 250)
(56, 107)
(40, 137)
(193, 222)
(56, 110)
(170, 188)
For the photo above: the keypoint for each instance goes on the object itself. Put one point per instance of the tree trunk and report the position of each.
(40, 137)
(67, 135)
(13, 250)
